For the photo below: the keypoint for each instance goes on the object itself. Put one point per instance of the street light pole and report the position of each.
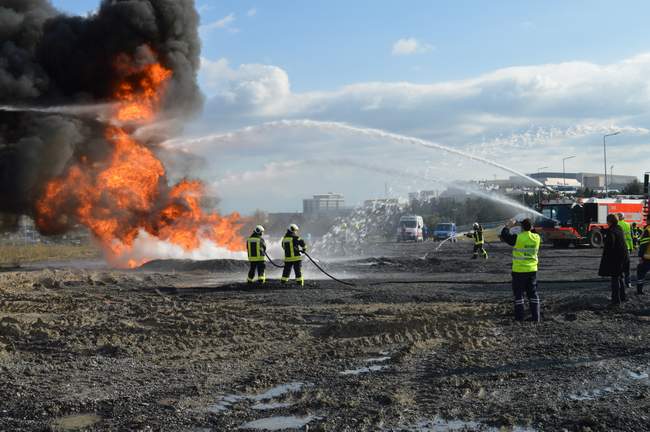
(564, 170)
(605, 156)
(611, 174)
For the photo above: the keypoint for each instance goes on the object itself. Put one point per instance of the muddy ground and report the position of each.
(424, 342)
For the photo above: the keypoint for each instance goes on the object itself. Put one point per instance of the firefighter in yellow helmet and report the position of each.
(293, 247)
(524, 267)
(477, 236)
(256, 248)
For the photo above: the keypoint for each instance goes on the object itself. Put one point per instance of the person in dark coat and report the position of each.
(615, 259)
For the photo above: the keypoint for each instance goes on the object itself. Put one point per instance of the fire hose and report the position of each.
(316, 265)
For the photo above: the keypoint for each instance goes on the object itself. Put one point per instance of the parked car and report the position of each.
(410, 228)
(443, 231)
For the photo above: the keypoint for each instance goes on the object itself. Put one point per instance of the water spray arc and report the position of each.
(344, 127)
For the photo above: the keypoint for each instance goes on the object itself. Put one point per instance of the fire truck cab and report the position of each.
(580, 221)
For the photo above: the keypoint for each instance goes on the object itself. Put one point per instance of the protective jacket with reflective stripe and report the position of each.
(255, 247)
(644, 245)
(525, 253)
(627, 232)
(478, 237)
(292, 245)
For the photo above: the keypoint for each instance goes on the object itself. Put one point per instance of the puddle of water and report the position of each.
(637, 375)
(224, 403)
(363, 370)
(441, 425)
(619, 383)
(377, 359)
(278, 423)
(280, 390)
(271, 406)
(75, 422)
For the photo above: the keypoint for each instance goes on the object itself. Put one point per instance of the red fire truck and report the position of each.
(580, 221)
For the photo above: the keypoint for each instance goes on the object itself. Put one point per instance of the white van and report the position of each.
(410, 228)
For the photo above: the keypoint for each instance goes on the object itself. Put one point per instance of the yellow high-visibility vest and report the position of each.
(525, 253)
(627, 231)
(254, 249)
(290, 253)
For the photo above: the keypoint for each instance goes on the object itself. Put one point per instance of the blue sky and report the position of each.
(326, 44)
(524, 83)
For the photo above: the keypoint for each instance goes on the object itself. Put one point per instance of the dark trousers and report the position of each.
(618, 289)
(297, 269)
(478, 250)
(641, 271)
(626, 275)
(258, 267)
(525, 283)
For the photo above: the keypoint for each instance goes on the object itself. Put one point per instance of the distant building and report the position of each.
(560, 181)
(324, 205)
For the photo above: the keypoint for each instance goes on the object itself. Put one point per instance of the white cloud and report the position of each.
(408, 46)
(517, 116)
(251, 88)
(252, 12)
(224, 23)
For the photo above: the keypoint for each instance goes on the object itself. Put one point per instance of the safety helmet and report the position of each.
(476, 225)
(259, 229)
(293, 228)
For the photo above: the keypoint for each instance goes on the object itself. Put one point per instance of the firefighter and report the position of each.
(627, 233)
(644, 264)
(524, 267)
(636, 235)
(293, 247)
(256, 248)
(477, 236)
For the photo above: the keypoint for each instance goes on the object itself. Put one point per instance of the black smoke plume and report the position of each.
(50, 59)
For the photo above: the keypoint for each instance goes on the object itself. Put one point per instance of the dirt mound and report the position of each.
(227, 265)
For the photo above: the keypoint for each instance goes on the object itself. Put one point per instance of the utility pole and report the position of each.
(605, 156)
(564, 169)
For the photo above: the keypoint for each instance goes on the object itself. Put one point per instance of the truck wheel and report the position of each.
(596, 238)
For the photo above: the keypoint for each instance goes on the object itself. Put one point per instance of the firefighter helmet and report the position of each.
(294, 228)
(259, 229)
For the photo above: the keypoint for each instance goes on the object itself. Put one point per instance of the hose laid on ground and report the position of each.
(317, 266)
(325, 273)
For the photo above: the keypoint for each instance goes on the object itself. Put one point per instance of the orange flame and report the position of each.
(127, 193)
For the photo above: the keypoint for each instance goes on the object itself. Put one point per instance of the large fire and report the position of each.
(128, 193)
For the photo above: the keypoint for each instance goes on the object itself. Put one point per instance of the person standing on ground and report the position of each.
(629, 243)
(615, 259)
(293, 247)
(636, 235)
(256, 248)
(477, 236)
(525, 260)
(644, 264)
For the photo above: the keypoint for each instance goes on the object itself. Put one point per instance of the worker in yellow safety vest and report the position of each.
(293, 247)
(256, 248)
(629, 242)
(525, 259)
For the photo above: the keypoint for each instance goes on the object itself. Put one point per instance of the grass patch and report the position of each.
(19, 254)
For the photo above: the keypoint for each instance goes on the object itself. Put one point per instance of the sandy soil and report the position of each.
(424, 342)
